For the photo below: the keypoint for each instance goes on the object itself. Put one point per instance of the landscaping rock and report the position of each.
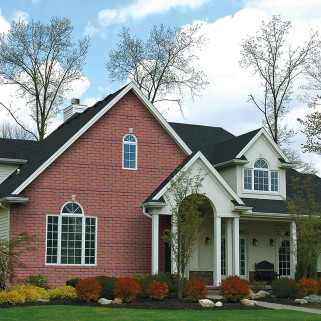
(259, 295)
(206, 303)
(313, 298)
(43, 300)
(218, 304)
(301, 301)
(104, 301)
(117, 301)
(248, 303)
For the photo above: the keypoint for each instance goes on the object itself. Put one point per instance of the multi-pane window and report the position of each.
(129, 152)
(223, 257)
(242, 256)
(284, 258)
(260, 178)
(71, 237)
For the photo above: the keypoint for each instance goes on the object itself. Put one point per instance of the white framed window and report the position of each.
(284, 258)
(71, 237)
(261, 178)
(129, 152)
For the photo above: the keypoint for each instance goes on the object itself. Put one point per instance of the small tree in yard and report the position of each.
(185, 200)
(307, 214)
(10, 251)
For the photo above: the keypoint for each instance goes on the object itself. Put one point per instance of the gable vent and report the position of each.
(75, 107)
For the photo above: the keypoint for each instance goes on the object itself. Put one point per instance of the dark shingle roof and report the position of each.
(17, 148)
(52, 143)
(215, 143)
(265, 205)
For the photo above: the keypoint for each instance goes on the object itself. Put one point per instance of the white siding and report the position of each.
(6, 170)
(4, 223)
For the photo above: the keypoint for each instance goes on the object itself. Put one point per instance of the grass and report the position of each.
(60, 312)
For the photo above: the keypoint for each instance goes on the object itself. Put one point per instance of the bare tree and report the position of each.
(13, 131)
(43, 61)
(162, 66)
(278, 65)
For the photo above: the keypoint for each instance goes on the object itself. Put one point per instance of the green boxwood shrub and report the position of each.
(284, 288)
(73, 282)
(107, 283)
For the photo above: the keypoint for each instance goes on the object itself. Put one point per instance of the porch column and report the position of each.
(173, 261)
(155, 229)
(229, 247)
(217, 251)
(294, 248)
(236, 246)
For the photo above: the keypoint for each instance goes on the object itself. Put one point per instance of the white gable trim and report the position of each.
(269, 139)
(146, 102)
(211, 170)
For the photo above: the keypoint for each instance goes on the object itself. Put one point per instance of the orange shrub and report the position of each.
(127, 289)
(307, 286)
(234, 288)
(319, 281)
(195, 290)
(157, 290)
(88, 289)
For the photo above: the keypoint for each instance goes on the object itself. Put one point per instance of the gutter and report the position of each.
(12, 161)
(231, 162)
(13, 199)
(147, 205)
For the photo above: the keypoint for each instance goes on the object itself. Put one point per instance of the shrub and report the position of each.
(12, 297)
(257, 286)
(73, 282)
(195, 290)
(312, 269)
(88, 289)
(234, 288)
(284, 288)
(63, 292)
(127, 289)
(107, 283)
(37, 280)
(157, 290)
(307, 286)
(31, 293)
(319, 281)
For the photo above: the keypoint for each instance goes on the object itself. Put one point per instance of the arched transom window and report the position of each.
(261, 178)
(129, 152)
(71, 237)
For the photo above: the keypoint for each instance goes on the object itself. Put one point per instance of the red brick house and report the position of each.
(94, 194)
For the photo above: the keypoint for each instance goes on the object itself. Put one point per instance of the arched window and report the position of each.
(71, 237)
(261, 178)
(129, 152)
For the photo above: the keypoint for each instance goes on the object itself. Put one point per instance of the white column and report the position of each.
(217, 251)
(294, 248)
(155, 229)
(174, 249)
(229, 247)
(236, 246)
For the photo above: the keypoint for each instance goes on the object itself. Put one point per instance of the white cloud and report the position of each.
(4, 24)
(21, 15)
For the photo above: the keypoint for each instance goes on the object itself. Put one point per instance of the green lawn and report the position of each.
(60, 312)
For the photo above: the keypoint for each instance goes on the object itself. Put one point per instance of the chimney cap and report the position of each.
(75, 101)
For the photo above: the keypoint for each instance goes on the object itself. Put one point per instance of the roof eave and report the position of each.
(231, 162)
(12, 161)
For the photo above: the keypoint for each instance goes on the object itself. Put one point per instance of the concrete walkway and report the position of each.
(277, 306)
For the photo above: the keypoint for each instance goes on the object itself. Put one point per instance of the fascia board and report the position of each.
(211, 170)
(92, 121)
(270, 140)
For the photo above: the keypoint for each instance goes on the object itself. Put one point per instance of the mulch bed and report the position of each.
(144, 303)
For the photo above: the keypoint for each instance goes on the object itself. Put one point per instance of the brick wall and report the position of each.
(92, 170)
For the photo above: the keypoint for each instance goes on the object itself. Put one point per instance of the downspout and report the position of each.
(145, 213)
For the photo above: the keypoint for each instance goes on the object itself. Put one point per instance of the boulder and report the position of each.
(313, 298)
(248, 303)
(218, 304)
(117, 301)
(104, 301)
(206, 303)
(301, 301)
(43, 300)
(259, 295)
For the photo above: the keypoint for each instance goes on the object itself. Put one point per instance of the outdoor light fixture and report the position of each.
(272, 242)
(208, 240)
(255, 242)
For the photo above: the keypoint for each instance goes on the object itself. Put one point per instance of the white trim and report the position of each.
(123, 151)
(231, 162)
(147, 103)
(263, 132)
(73, 214)
(13, 199)
(211, 169)
(12, 161)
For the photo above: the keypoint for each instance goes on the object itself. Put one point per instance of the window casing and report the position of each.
(129, 152)
(71, 237)
(260, 178)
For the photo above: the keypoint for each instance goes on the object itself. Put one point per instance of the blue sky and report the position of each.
(224, 103)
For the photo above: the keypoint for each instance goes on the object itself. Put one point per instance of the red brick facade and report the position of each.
(92, 170)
